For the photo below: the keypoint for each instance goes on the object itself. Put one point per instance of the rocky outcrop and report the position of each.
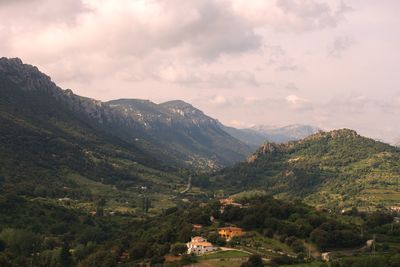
(28, 78)
(272, 148)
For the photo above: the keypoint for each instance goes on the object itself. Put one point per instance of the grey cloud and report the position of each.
(206, 79)
(313, 15)
(202, 28)
(275, 54)
(339, 45)
(289, 67)
(291, 87)
(39, 13)
(278, 57)
(361, 104)
(218, 30)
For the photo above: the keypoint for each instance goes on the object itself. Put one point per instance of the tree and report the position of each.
(99, 258)
(100, 207)
(188, 259)
(253, 261)
(378, 218)
(22, 242)
(65, 258)
(320, 238)
(138, 250)
(2, 245)
(178, 248)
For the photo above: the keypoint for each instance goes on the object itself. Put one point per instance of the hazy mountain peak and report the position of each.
(285, 133)
(176, 103)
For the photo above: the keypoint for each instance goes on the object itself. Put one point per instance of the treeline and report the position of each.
(40, 234)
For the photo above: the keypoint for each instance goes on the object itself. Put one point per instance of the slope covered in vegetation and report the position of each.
(45, 146)
(338, 167)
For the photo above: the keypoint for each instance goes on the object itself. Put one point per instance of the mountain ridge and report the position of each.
(259, 134)
(336, 168)
(194, 147)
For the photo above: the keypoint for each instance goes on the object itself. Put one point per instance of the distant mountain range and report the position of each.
(260, 134)
(335, 169)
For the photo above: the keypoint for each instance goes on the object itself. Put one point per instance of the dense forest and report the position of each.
(37, 233)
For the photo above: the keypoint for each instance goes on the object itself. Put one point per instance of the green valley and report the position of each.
(130, 183)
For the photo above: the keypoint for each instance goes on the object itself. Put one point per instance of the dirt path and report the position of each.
(189, 185)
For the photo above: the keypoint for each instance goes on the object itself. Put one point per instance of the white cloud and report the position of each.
(298, 103)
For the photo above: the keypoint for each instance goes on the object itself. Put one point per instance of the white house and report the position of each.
(199, 245)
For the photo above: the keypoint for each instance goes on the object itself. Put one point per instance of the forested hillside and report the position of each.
(47, 149)
(328, 168)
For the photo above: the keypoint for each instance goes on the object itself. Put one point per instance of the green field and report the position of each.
(225, 258)
(311, 264)
(225, 255)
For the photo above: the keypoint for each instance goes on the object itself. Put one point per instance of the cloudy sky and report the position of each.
(329, 63)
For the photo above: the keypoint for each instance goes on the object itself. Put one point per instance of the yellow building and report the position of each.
(230, 232)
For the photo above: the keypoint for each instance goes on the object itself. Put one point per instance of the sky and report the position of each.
(328, 63)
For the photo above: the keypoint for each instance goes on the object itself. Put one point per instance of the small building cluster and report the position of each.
(199, 246)
(395, 208)
(197, 227)
(228, 202)
(230, 232)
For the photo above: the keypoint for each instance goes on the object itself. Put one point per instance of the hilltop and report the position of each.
(327, 168)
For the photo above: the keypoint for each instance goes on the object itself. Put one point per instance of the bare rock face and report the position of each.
(29, 78)
(343, 133)
(335, 134)
(169, 114)
(271, 148)
(267, 148)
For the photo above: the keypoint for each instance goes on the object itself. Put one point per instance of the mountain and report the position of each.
(337, 168)
(286, 133)
(257, 135)
(248, 136)
(184, 132)
(54, 143)
(174, 133)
